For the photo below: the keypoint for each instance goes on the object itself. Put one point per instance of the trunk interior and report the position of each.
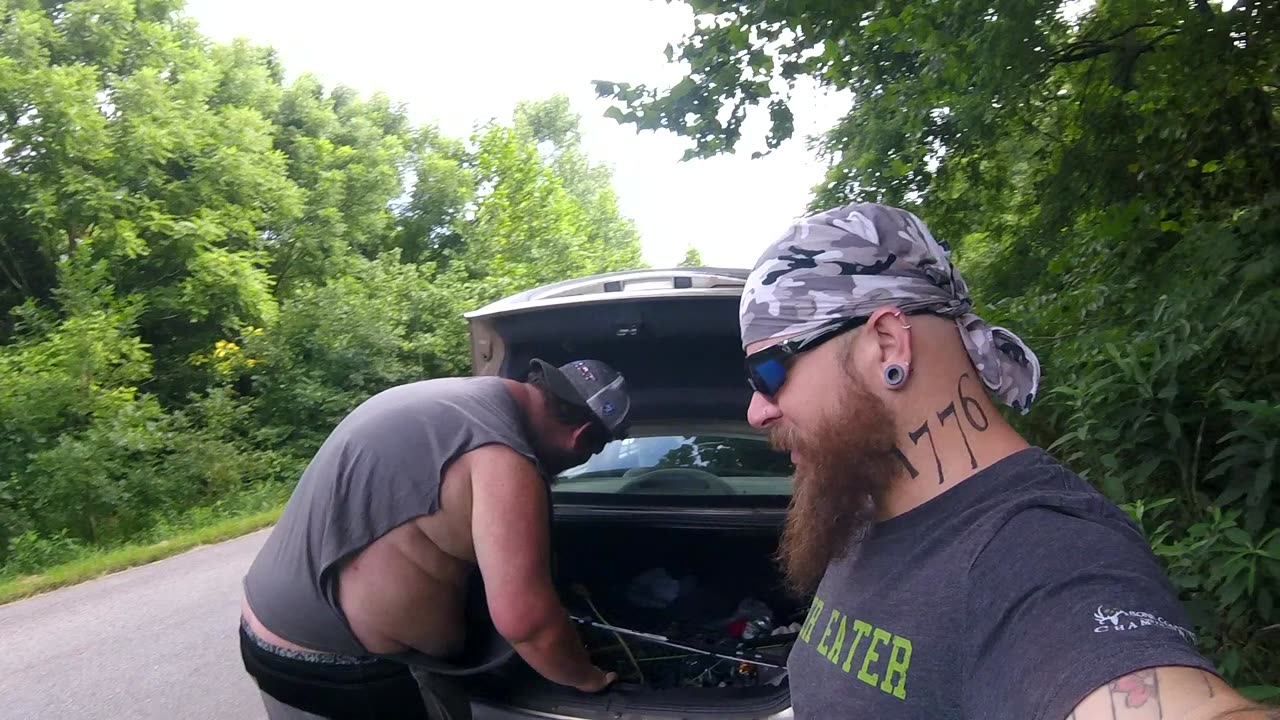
(700, 587)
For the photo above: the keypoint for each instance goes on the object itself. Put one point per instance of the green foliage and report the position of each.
(30, 553)
(1229, 576)
(543, 213)
(203, 267)
(692, 258)
(89, 458)
(378, 324)
(1109, 183)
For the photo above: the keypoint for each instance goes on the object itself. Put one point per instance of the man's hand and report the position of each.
(1169, 693)
(602, 681)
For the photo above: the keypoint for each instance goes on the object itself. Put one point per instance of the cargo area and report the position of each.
(712, 589)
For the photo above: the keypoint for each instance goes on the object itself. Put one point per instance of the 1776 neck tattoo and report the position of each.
(973, 413)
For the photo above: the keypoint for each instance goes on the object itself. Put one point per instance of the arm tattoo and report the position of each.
(1208, 682)
(1137, 690)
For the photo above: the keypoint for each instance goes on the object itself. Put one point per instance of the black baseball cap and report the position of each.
(593, 385)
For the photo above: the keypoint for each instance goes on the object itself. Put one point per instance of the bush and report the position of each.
(338, 343)
(30, 553)
(1160, 388)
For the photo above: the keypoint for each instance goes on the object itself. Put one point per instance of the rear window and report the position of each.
(682, 465)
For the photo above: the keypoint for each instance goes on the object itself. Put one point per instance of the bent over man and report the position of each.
(957, 572)
(371, 560)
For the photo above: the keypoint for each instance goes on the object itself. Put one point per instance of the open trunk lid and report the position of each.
(673, 333)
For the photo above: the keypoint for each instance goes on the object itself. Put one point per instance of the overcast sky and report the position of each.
(456, 64)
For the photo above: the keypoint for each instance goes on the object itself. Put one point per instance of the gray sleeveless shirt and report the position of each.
(379, 468)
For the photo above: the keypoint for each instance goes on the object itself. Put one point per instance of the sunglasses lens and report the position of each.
(768, 375)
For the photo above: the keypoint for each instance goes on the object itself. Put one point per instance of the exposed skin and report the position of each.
(1169, 693)
(407, 590)
(935, 358)
(947, 429)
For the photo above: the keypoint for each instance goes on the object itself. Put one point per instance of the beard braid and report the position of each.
(845, 462)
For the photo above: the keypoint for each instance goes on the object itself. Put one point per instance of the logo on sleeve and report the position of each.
(1112, 619)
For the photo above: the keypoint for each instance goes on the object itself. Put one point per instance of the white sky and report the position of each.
(457, 64)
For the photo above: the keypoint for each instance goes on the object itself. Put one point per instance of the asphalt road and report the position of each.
(157, 641)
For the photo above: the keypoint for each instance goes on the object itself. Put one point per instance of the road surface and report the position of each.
(157, 641)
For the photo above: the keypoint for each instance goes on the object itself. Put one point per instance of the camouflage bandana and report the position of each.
(850, 261)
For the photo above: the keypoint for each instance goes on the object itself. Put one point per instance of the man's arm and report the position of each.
(509, 519)
(1169, 693)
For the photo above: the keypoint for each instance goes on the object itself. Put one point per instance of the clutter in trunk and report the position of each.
(717, 596)
(661, 633)
(712, 593)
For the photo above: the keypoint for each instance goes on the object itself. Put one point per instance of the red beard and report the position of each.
(843, 464)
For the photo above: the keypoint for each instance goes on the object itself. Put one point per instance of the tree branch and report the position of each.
(1092, 52)
(1157, 39)
(1097, 49)
(1086, 49)
(1131, 28)
(16, 277)
(14, 280)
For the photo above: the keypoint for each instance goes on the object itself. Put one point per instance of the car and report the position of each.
(671, 531)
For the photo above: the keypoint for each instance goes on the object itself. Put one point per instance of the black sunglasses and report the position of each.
(767, 368)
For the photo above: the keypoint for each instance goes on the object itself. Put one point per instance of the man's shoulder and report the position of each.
(1044, 503)
(497, 455)
(445, 386)
(437, 394)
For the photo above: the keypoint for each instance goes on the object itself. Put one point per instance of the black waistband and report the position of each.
(375, 689)
(310, 656)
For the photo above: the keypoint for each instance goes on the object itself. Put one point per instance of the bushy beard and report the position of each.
(843, 464)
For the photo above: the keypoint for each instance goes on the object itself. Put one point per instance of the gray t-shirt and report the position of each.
(380, 467)
(1011, 596)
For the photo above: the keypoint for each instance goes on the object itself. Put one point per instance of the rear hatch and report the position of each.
(674, 335)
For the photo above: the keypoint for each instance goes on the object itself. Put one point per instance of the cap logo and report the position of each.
(585, 371)
(608, 408)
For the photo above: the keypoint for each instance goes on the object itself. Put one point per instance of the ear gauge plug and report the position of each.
(894, 376)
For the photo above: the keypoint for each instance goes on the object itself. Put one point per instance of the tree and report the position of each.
(692, 258)
(542, 212)
(123, 134)
(203, 267)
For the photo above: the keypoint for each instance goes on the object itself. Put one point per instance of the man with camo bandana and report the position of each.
(955, 570)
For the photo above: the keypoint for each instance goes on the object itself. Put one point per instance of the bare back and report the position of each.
(408, 589)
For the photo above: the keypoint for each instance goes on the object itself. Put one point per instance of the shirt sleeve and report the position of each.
(1061, 603)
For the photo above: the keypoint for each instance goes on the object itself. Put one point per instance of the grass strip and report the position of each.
(103, 562)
